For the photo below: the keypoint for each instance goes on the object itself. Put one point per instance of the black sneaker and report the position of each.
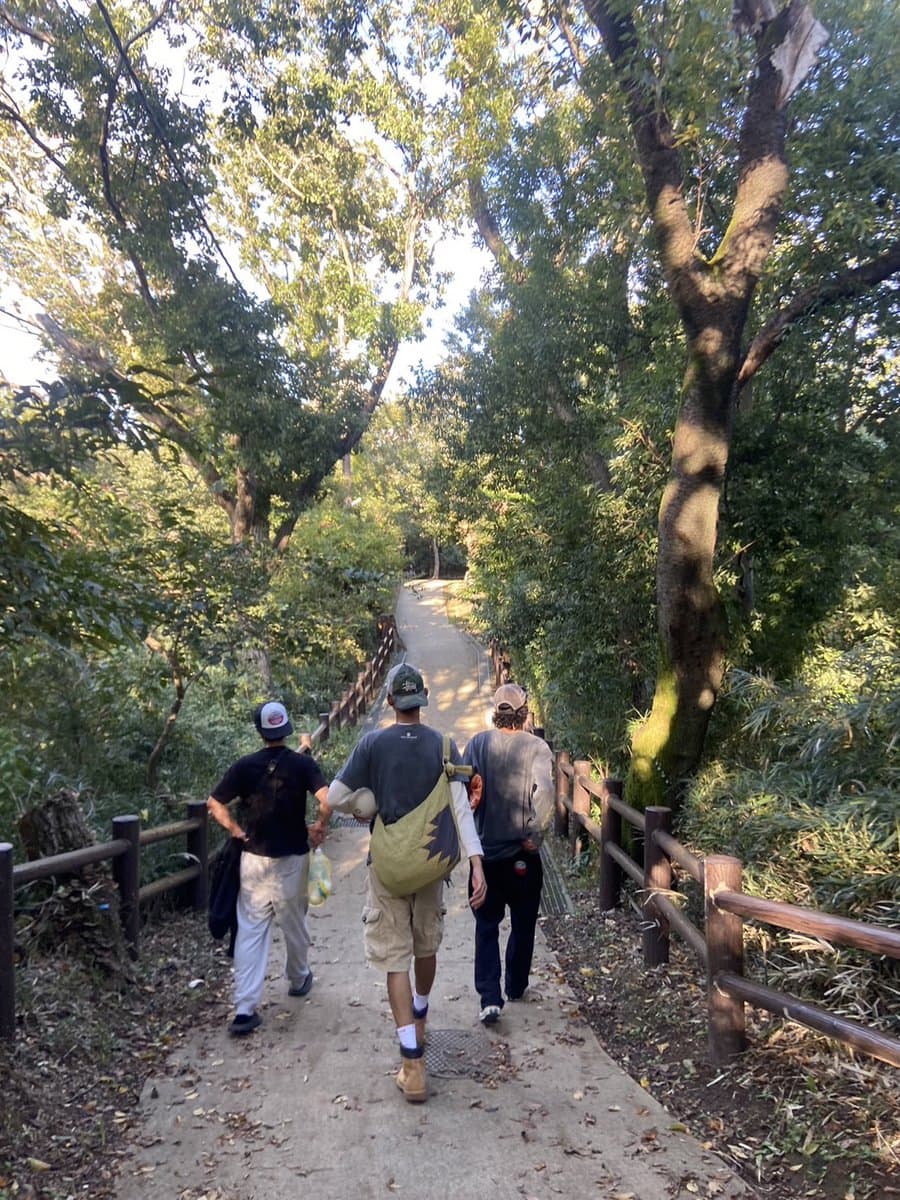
(244, 1023)
(302, 989)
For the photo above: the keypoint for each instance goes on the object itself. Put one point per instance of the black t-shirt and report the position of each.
(272, 783)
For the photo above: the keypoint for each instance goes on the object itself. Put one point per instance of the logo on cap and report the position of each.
(272, 721)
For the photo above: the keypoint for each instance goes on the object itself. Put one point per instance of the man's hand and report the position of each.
(476, 790)
(478, 883)
(318, 832)
(530, 846)
(219, 812)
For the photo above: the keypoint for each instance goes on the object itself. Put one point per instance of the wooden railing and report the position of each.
(128, 839)
(500, 665)
(124, 852)
(356, 699)
(720, 945)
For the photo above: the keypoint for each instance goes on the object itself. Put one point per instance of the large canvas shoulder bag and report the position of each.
(423, 845)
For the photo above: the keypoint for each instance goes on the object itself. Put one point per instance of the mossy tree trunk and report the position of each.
(712, 296)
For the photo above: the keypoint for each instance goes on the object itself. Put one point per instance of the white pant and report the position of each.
(272, 889)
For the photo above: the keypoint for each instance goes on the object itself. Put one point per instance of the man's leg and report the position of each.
(524, 906)
(424, 971)
(487, 943)
(253, 941)
(291, 912)
(389, 924)
(411, 1078)
(427, 931)
(399, 992)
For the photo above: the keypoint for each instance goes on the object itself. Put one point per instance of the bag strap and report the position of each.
(451, 768)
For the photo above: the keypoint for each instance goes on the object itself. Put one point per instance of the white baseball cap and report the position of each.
(273, 722)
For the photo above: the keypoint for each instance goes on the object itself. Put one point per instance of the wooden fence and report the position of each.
(720, 945)
(355, 701)
(128, 839)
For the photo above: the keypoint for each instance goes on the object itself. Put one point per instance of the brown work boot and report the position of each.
(411, 1079)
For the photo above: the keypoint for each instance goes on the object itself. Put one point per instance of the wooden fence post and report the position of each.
(610, 834)
(127, 874)
(7, 951)
(581, 803)
(198, 848)
(325, 722)
(561, 814)
(725, 952)
(657, 874)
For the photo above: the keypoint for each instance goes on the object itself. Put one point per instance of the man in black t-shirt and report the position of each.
(272, 784)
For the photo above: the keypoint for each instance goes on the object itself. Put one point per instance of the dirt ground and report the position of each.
(794, 1115)
(797, 1115)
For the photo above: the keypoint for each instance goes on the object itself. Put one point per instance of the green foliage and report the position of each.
(223, 627)
(421, 492)
(335, 580)
(804, 785)
(803, 789)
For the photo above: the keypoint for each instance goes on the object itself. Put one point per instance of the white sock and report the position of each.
(420, 1003)
(407, 1036)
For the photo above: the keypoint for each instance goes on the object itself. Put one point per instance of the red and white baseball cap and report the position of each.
(272, 721)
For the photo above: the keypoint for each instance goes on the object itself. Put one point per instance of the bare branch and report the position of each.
(40, 36)
(840, 287)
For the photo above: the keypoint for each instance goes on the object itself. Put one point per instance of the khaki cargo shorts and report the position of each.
(400, 928)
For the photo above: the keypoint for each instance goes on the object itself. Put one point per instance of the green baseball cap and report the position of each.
(407, 687)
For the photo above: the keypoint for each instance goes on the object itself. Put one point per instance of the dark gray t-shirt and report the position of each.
(518, 797)
(399, 764)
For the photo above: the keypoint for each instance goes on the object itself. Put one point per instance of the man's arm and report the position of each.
(220, 813)
(470, 842)
(319, 829)
(543, 796)
(340, 797)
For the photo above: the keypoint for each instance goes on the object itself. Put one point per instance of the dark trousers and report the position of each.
(521, 894)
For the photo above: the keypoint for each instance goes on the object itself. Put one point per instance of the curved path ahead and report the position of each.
(306, 1106)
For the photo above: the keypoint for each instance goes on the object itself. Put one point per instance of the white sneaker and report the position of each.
(490, 1014)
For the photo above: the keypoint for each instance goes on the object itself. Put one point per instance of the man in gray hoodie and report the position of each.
(515, 809)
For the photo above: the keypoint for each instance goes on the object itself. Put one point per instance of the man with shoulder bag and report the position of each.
(422, 827)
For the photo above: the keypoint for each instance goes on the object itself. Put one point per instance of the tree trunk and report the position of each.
(79, 914)
(56, 826)
(667, 747)
(712, 296)
(163, 739)
(436, 559)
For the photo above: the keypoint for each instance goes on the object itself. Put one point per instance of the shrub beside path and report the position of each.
(307, 1106)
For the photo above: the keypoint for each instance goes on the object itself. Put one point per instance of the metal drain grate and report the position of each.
(555, 898)
(460, 1053)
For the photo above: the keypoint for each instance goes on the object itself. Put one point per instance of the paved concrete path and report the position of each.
(307, 1105)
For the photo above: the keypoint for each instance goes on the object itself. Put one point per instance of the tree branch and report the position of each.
(489, 229)
(43, 38)
(840, 287)
(658, 156)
